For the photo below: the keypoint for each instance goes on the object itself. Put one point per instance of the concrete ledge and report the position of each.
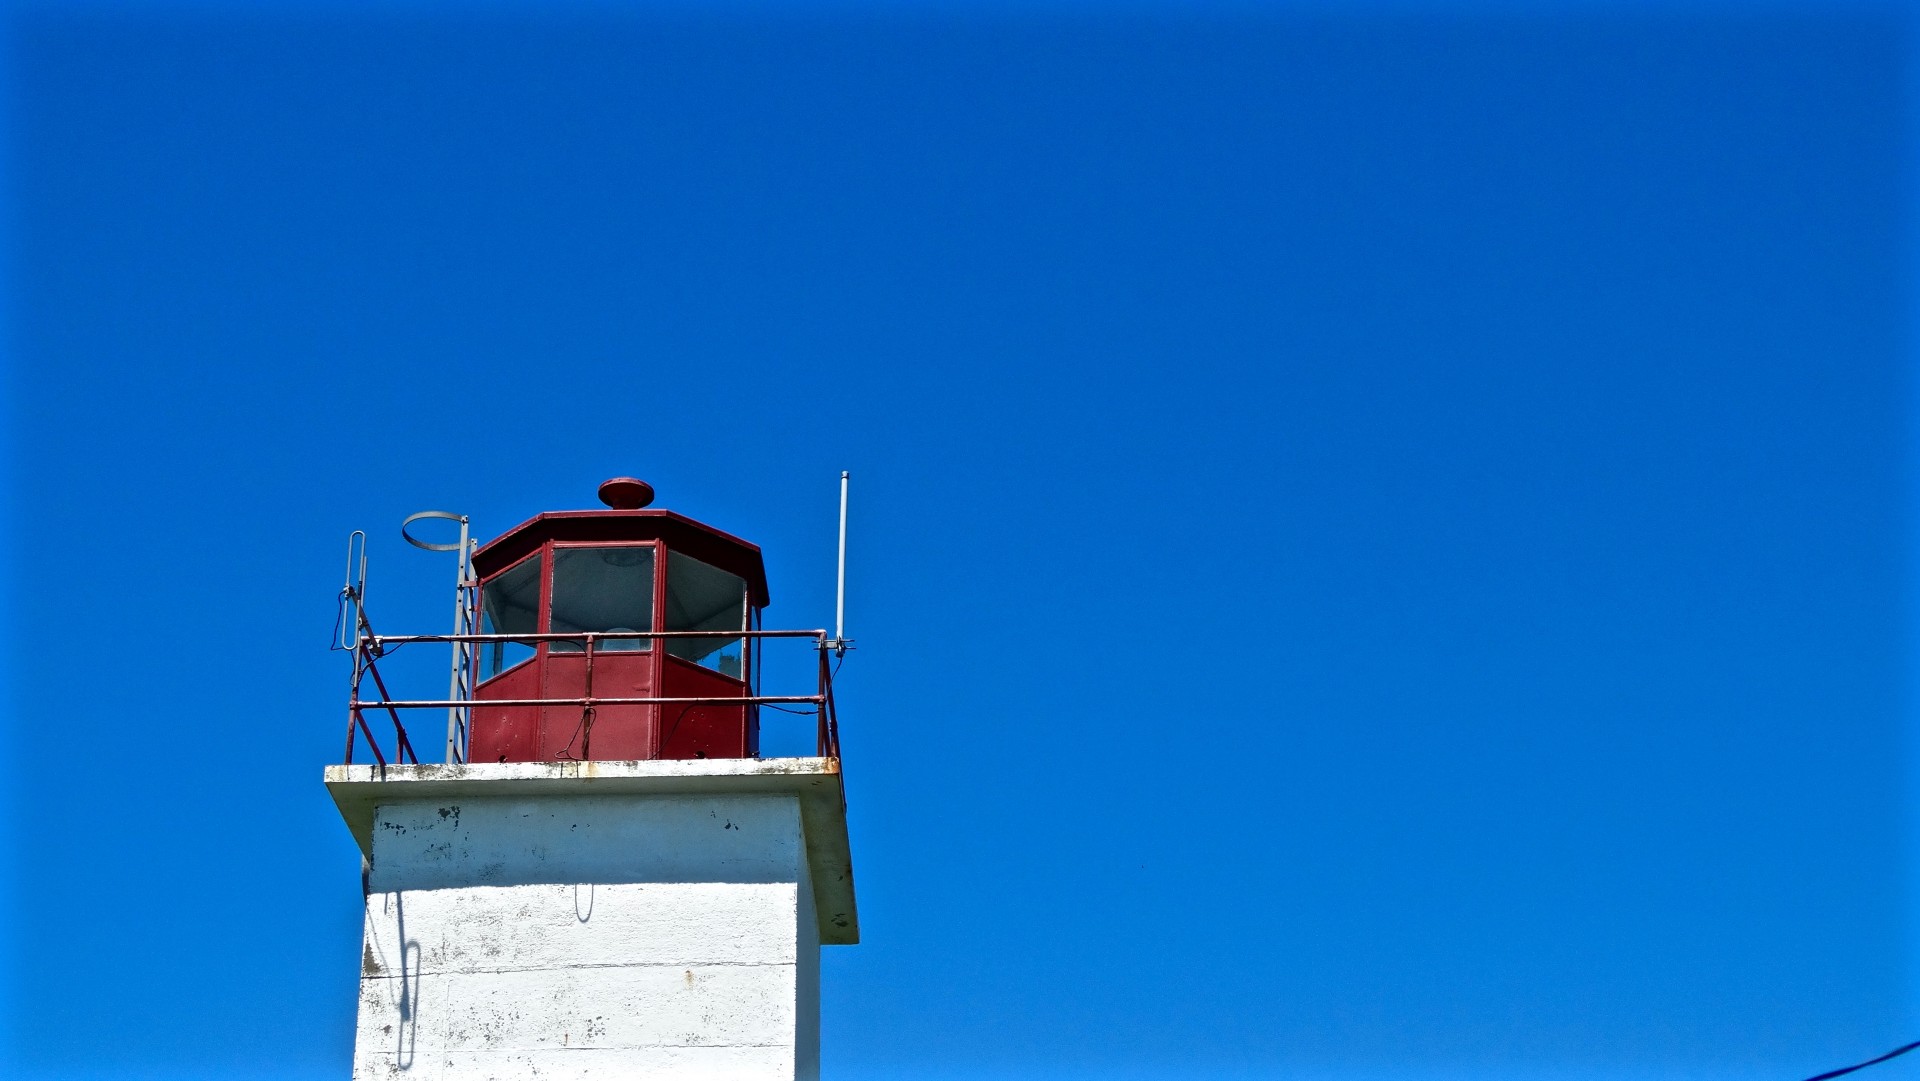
(358, 790)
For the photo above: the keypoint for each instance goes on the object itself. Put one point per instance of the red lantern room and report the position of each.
(608, 606)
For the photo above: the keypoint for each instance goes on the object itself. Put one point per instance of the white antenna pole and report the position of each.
(840, 597)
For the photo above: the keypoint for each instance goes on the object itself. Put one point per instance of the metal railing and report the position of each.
(368, 648)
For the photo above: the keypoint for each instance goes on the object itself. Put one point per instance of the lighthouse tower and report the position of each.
(604, 879)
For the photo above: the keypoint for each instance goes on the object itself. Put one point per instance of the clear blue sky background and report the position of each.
(1381, 538)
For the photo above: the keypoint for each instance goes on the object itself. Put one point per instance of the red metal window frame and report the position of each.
(656, 663)
(656, 647)
(539, 615)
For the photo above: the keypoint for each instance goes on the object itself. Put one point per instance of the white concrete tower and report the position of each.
(537, 911)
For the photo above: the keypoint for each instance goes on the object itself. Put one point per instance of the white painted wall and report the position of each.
(589, 937)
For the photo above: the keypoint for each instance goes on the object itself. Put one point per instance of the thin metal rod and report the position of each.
(581, 636)
(353, 594)
(372, 743)
(401, 745)
(488, 703)
(821, 738)
(840, 592)
(460, 626)
(353, 700)
(587, 712)
(828, 712)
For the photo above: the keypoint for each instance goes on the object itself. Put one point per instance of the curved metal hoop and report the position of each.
(431, 547)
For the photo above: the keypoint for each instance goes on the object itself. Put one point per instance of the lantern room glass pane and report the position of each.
(602, 589)
(509, 604)
(705, 598)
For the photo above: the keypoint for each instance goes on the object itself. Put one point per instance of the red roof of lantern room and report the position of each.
(679, 533)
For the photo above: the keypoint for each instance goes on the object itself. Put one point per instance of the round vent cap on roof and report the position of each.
(626, 493)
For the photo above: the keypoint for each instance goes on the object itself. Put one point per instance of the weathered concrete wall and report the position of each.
(589, 937)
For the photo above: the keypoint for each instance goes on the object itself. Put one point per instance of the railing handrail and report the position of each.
(555, 636)
(591, 700)
(367, 646)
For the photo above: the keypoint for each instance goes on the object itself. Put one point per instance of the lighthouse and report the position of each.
(604, 879)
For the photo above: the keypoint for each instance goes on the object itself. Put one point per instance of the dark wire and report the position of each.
(1895, 1053)
(339, 617)
(675, 727)
(586, 725)
(831, 676)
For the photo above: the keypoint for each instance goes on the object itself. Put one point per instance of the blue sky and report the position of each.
(1381, 537)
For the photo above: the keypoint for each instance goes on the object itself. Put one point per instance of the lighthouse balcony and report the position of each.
(600, 695)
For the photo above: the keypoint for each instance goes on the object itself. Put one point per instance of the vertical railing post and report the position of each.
(586, 708)
(820, 738)
(353, 699)
(462, 624)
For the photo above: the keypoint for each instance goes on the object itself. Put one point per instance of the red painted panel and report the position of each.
(506, 733)
(618, 733)
(707, 731)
